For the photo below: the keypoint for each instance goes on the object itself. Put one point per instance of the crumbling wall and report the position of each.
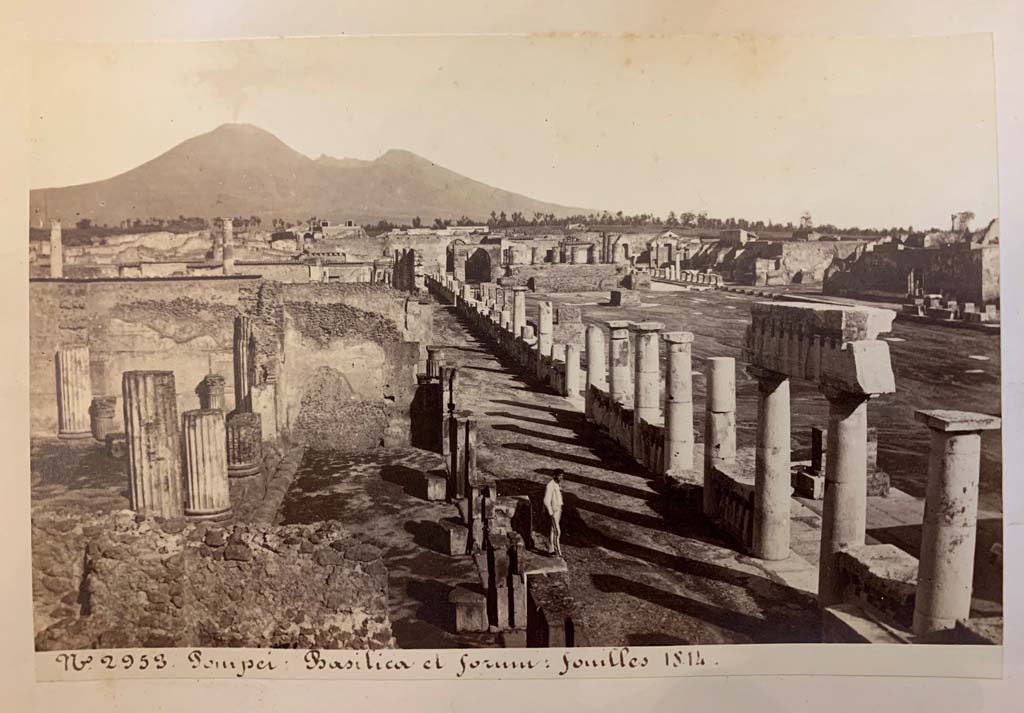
(964, 274)
(567, 278)
(146, 583)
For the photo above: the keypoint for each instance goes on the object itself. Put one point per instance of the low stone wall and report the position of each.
(117, 581)
(566, 278)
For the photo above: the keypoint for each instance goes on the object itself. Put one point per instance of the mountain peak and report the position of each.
(401, 156)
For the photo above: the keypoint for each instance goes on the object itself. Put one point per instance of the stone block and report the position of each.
(452, 538)
(470, 609)
(623, 298)
(880, 577)
(878, 483)
(513, 639)
(808, 484)
(435, 486)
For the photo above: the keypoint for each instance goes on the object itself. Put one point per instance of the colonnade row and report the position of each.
(175, 467)
(835, 346)
(675, 273)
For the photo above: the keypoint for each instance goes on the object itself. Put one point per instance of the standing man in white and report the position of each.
(553, 505)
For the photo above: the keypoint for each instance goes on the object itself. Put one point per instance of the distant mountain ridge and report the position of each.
(241, 169)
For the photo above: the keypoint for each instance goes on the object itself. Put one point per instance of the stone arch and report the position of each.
(478, 266)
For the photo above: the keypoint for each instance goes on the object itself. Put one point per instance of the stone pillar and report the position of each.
(572, 371)
(620, 379)
(592, 255)
(229, 247)
(647, 381)
(245, 444)
(435, 357)
(207, 495)
(74, 393)
(211, 393)
(572, 254)
(719, 425)
(56, 250)
(245, 368)
(949, 530)
(545, 334)
(518, 310)
(678, 403)
(506, 320)
(772, 487)
(597, 359)
(154, 450)
(844, 511)
(103, 420)
(533, 255)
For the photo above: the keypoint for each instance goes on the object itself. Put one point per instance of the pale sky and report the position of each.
(869, 132)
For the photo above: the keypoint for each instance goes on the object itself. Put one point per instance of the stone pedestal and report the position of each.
(647, 381)
(620, 378)
(211, 393)
(949, 531)
(844, 513)
(719, 425)
(518, 310)
(207, 494)
(104, 421)
(245, 367)
(678, 403)
(597, 358)
(154, 450)
(572, 371)
(772, 488)
(245, 444)
(74, 393)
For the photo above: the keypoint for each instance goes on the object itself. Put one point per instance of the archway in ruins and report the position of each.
(478, 266)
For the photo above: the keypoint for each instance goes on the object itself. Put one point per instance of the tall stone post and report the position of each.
(772, 487)
(245, 368)
(597, 359)
(435, 357)
(207, 494)
(74, 393)
(229, 247)
(844, 511)
(949, 530)
(678, 451)
(719, 426)
(154, 450)
(620, 379)
(56, 250)
(211, 393)
(572, 371)
(518, 311)
(545, 335)
(505, 321)
(592, 255)
(647, 381)
(533, 255)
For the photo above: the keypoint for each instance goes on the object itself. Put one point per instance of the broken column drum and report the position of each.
(719, 426)
(74, 393)
(244, 443)
(211, 393)
(207, 494)
(678, 450)
(647, 381)
(949, 530)
(103, 419)
(154, 450)
(245, 367)
(620, 379)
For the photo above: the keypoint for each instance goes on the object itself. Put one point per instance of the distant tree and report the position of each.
(962, 221)
(416, 222)
(84, 224)
(671, 219)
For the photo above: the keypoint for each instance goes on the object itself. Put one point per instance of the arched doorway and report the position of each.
(478, 266)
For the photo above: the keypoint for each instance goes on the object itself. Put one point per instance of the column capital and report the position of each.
(836, 394)
(949, 421)
(617, 326)
(762, 374)
(519, 288)
(677, 337)
(643, 327)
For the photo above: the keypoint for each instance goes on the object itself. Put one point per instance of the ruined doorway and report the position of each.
(478, 266)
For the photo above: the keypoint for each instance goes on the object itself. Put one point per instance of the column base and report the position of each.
(243, 470)
(214, 515)
(79, 436)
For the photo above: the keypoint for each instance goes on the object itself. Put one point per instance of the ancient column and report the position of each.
(572, 371)
(678, 403)
(154, 450)
(56, 250)
(518, 310)
(592, 255)
(597, 359)
(506, 320)
(620, 383)
(719, 425)
(245, 443)
(533, 255)
(245, 368)
(949, 530)
(103, 419)
(844, 510)
(647, 381)
(74, 393)
(772, 487)
(229, 248)
(572, 255)
(211, 393)
(207, 494)
(545, 335)
(435, 357)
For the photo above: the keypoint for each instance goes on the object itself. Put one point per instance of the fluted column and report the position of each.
(245, 444)
(719, 425)
(772, 489)
(207, 494)
(154, 451)
(245, 368)
(435, 357)
(74, 393)
(211, 393)
(678, 451)
(647, 380)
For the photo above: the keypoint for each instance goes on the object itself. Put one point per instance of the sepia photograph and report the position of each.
(364, 344)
